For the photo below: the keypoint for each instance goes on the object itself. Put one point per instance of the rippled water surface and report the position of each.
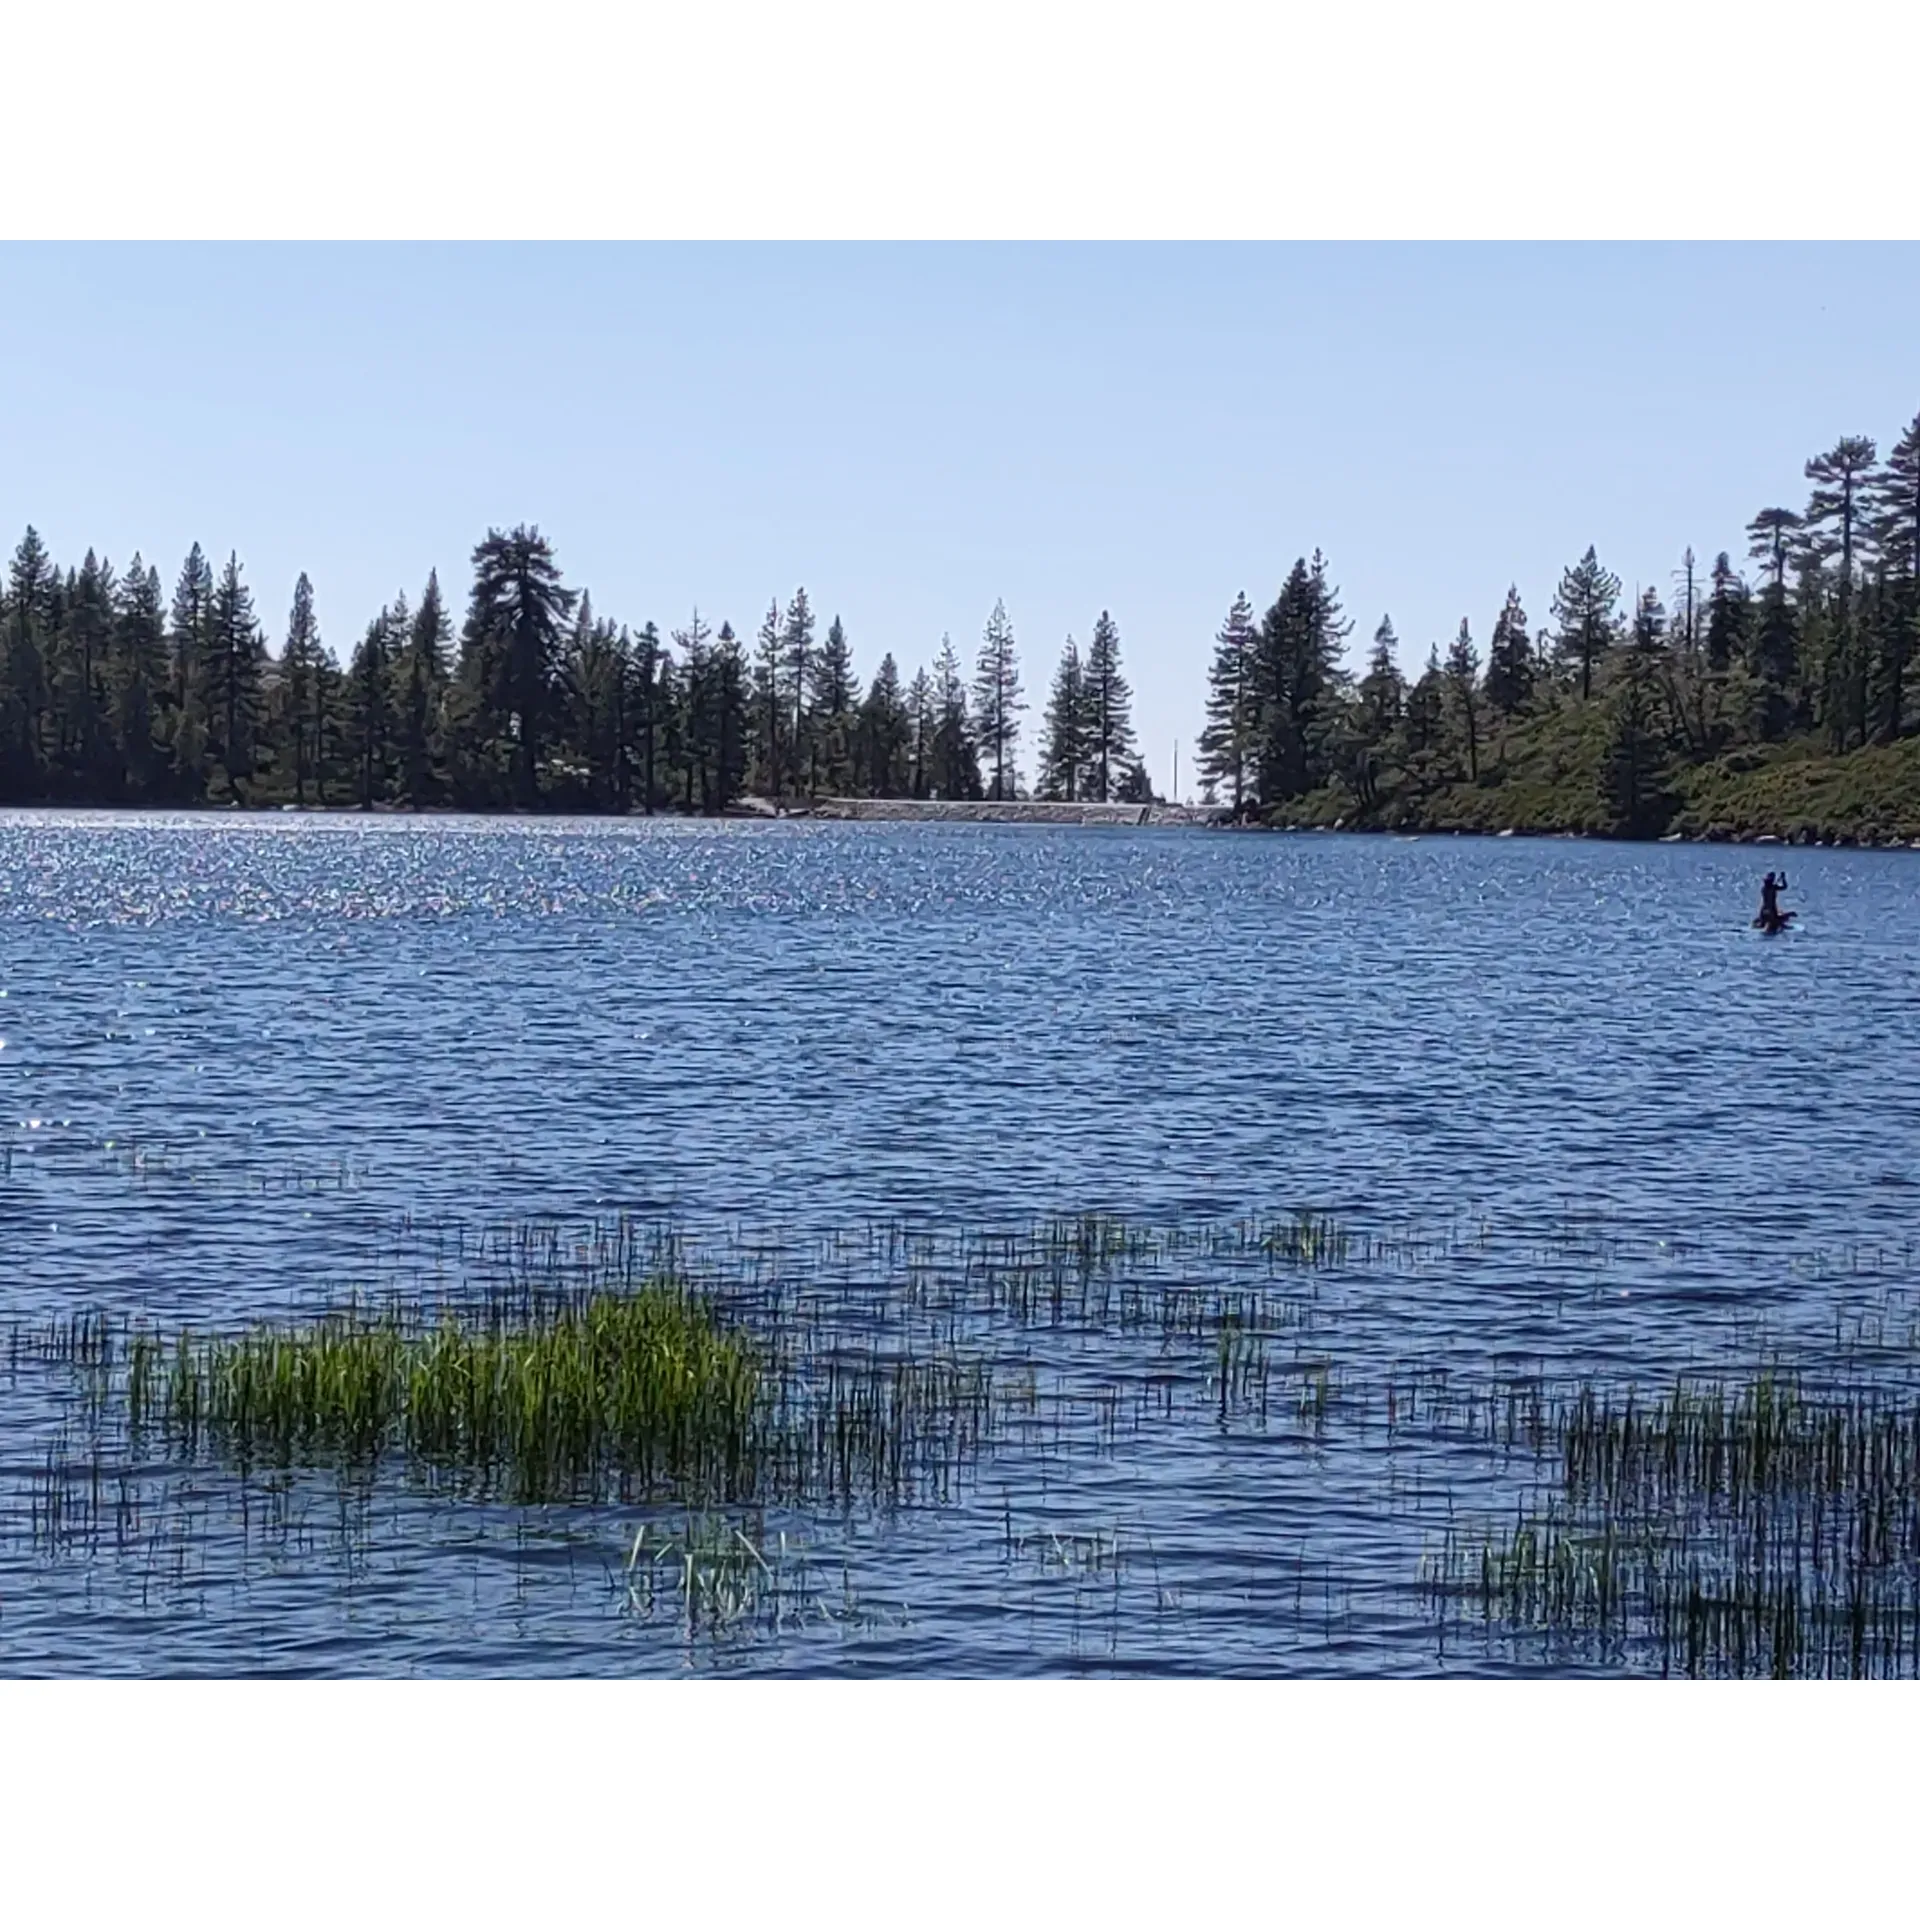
(1590, 1122)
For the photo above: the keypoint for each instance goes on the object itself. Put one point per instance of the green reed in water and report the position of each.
(642, 1385)
(589, 1391)
(1758, 1527)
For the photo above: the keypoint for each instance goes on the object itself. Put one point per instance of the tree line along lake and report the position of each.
(1763, 689)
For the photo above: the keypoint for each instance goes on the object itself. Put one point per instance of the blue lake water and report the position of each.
(252, 1064)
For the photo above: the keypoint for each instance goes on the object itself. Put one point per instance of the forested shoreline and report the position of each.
(1777, 704)
(1782, 704)
(112, 695)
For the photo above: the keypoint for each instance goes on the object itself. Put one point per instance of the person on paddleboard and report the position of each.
(1770, 890)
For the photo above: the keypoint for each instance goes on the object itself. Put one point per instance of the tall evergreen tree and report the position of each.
(1585, 608)
(769, 701)
(796, 642)
(998, 702)
(1633, 776)
(1773, 534)
(302, 700)
(1378, 711)
(1510, 661)
(368, 716)
(834, 695)
(514, 630)
(1109, 718)
(1296, 679)
(1896, 504)
(1063, 739)
(1228, 738)
(1423, 721)
(234, 662)
(421, 696)
(1463, 695)
(730, 720)
(652, 690)
(1886, 640)
(596, 673)
(80, 677)
(31, 593)
(1838, 527)
(886, 734)
(138, 676)
(699, 691)
(956, 755)
(1772, 537)
(191, 629)
(922, 720)
(1728, 617)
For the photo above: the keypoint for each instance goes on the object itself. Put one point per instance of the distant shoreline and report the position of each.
(1036, 813)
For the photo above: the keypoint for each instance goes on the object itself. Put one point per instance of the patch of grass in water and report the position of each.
(1753, 1527)
(641, 1386)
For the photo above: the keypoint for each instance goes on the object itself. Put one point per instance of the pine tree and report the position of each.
(834, 697)
(1463, 695)
(699, 693)
(234, 660)
(1886, 636)
(79, 673)
(23, 686)
(886, 734)
(1772, 536)
(1383, 690)
(1511, 668)
(956, 755)
(1838, 521)
(796, 643)
(1633, 776)
(1063, 740)
(921, 723)
(1296, 681)
(1110, 743)
(514, 631)
(1227, 740)
(1897, 533)
(730, 720)
(596, 672)
(191, 628)
(671, 725)
(769, 703)
(1839, 527)
(137, 675)
(998, 702)
(1424, 720)
(1729, 609)
(1896, 504)
(301, 664)
(368, 719)
(423, 675)
(1585, 608)
(1820, 650)
(651, 695)
(1379, 706)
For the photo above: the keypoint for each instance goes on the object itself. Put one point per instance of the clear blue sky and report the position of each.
(911, 431)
